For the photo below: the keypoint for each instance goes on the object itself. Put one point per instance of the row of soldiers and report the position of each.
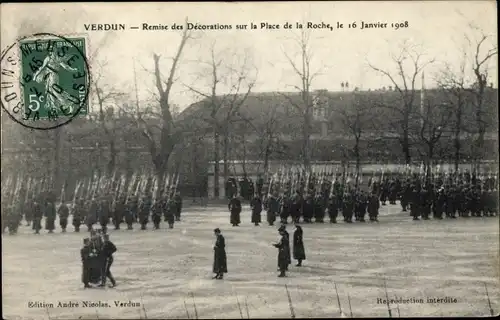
(353, 204)
(463, 197)
(96, 211)
(444, 195)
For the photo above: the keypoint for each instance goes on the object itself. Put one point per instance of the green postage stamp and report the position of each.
(54, 78)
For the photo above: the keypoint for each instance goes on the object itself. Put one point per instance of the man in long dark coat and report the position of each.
(78, 214)
(119, 212)
(231, 188)
(439, 204)
(107, 251)
(333, 208)
(373, 207)
(319, 208)
(283, 253)
(415, 203)
(273, 208)
(299, 252)
(363, 204)
(405, 195)
(220, 259)
(144, 209)
(50, 211)
(178, 206)
(63, 212)
(170, 207)
(235, 209)
(13, 218)
(256, 206)
(104, 211)
(157, 213)
(425, 203)
(92, 214)
(301, 207)
(384, 191)
(85, 255)
(348, 207)
(287, 237)
(393, 192)
(286, 205)
(130, 213)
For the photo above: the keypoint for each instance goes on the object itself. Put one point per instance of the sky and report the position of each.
(435, 29)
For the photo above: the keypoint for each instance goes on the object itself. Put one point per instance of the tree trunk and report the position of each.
(307, 139)
(267, 153)
(225, 153)
(458, 126)
(430, 157)
(358, 159)
(479, 143)
(128, 167)
(457, 146)
(405, 144)
(244, 160)
(216, 163)
(160, 174)
(112, 156)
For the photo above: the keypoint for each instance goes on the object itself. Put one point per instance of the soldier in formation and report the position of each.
(452, 196)
(272, 206)
(461, 195)
(256, 206)
(63, 212)
(234, 207)
(102, 211)
(293, 197)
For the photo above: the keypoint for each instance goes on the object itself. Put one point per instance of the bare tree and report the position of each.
(435, 119)
(304, 105)
(236, 77)
(268, 130)
(482, 56)
(454, 85)
(409, 65)
(161, 149)
(105, 94)
(357, 118)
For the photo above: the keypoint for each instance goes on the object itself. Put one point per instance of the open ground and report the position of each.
(168, 272)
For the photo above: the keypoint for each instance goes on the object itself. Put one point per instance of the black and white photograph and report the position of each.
(247, 160)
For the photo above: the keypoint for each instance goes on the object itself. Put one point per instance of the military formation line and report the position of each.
(290, 195)
(96, 201)
(296, 195)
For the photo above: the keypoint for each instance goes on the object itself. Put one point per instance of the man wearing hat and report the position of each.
(282, 229)
(256, 206)
(85, 255)
(108, 248)
(283, 252)
(273, 208)
(235, 209)
(78, 214)
(220, 259)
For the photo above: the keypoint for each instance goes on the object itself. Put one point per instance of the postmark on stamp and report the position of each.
(45, 80)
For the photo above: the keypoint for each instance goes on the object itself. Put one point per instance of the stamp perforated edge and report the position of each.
(34, 37)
